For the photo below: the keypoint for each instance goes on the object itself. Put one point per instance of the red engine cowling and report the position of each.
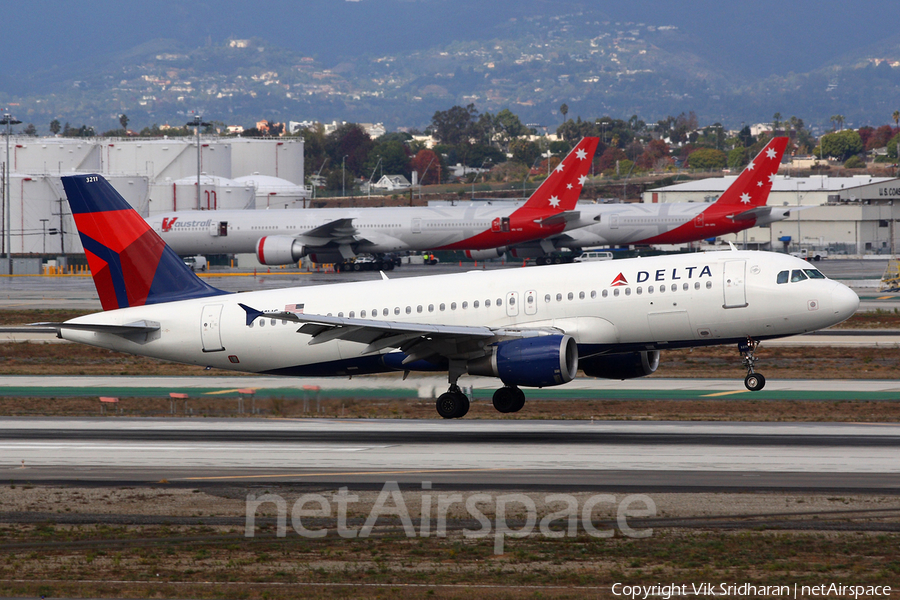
(279, 250)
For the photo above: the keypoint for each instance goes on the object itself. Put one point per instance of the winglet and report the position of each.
(562, 188)
(131, 265)
(252, 313)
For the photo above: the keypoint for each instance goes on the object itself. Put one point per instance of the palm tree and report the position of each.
(564, 109)
(838, 120)
(896, 116)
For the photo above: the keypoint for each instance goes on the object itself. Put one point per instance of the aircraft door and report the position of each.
(530, 302)
(500, 225)
(512, 304)
(417, 225)
(613, 221)
(218, 228)
(734, 284)
(698, 220)
(210, 334)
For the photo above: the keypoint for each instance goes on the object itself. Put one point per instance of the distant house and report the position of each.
(392, 183)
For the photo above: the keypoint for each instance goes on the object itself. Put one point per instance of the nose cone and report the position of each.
(844, 301)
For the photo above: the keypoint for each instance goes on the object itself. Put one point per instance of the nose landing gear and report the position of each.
(753, 381)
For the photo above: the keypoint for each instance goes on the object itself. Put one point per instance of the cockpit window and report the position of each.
(814, 273)
(783, 277)
(798, 275)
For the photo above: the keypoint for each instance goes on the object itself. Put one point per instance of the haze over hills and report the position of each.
(398, 61)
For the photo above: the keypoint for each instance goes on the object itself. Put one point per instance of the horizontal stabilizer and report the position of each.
(559, 218)
(128, 329)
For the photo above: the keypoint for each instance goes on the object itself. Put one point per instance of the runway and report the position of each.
(575, 455)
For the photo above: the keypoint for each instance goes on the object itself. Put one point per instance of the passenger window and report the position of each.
(814, 273)
(627, 291)
(593, 294)
(605, 293)
(782, 277)
(798, 275)
(362, 314)
(662, 288)
(511, 301)
(465, 305)
(649, 289)
(499, 301)
(709, 285)
(686, 286)
(453, 306)
(696, 285)
(559, 297)
(341, 315)
(616, 292)
(571, 296)
(475, 304)
(639, 290)
(431, 308)
(674, 287)
(547, 298)
(487, 303)
(408, 309)
(419, 308)
(442, 307)
(581, 295)
(352, 314)
(385, 312)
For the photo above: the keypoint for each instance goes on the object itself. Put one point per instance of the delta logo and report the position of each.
(619, 280)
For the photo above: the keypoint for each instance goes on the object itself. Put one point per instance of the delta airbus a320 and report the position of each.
(527, 327)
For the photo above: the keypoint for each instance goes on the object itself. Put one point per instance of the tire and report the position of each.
(389, 266)
(519, 402)
(357, 267)
(452, 405)
(755, 382)
(505, 399)
(557, 260)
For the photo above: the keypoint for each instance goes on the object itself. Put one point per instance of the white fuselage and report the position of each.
(708, 298)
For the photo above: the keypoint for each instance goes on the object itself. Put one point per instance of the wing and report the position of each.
(417, 340)
(339, 231)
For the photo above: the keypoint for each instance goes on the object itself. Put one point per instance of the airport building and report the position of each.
(153, 175)
(844, 215)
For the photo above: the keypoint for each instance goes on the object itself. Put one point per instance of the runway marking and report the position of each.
(405, 472)
(724, 393)
(885, 297)
(224, 391)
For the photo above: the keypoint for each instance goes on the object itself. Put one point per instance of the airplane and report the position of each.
(741, 206)
(527, 327)
(284, 236)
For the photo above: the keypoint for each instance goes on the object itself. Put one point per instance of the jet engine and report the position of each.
(279, 250)
(486, 254)
(534, 362)
(621, 366)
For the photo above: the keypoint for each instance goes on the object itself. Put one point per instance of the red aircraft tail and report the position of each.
(752, 187)
(560, 191)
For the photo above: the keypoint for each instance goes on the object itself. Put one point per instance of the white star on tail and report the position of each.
(559, 168)
(750, 166)
(745, 198)
(569, 186)
(772, 178)
(770, 153)
(554, 201)
(581, 154)
(582, 179)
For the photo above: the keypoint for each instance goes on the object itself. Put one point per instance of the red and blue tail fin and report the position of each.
(130, 263)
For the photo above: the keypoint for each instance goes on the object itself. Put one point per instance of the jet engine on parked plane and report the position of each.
(486, 254)
(279, 250)
(621, 366)
(539, 361)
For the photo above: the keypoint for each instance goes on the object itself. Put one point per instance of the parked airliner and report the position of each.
(527, 327)
(284, 236)
(741, 206)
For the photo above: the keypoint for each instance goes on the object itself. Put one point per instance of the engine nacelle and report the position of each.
(279, 250)
(534, 362)
(486, 254)
(621, 366)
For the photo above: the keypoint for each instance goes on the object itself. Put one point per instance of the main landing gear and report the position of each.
(753, 381)
(509, 399)
(453, 404)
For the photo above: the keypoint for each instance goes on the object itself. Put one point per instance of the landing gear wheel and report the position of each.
(452, 404)
(508, 399)
(755, 382)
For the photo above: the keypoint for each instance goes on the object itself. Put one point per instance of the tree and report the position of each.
(525, 152)
(393, 157)
(738, 158)
(838, 120)
(896, 117)
(564, 110)
(349, 140)
(841, 145)
(776, 121)
(55, 127)
(855, 162)
(456, 125)
(30, 129)
(656, 154)
(123, 121)
(707, 159)
(508, 127)
(746, 137)
(429, 166)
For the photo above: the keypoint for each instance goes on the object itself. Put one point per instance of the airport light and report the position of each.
(8, 120)
(44, 227)
(343, 186)
(198, 123)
